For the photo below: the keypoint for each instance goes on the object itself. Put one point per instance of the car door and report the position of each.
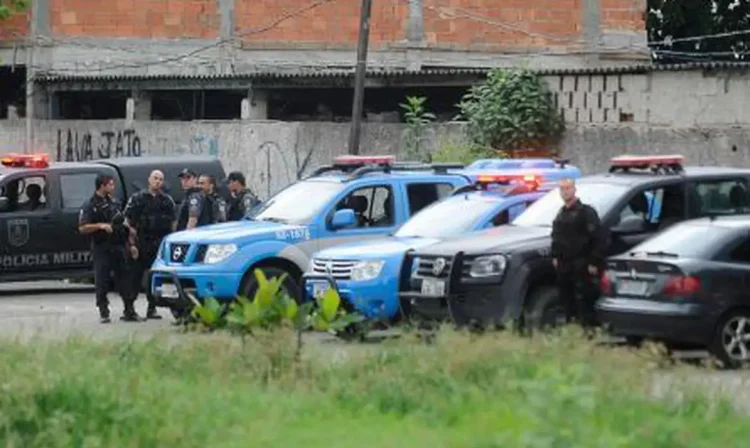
(76, 188)
(420, 194)
(376, 208)
(28, 236)
(645, 212)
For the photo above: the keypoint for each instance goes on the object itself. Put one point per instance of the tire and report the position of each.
(290, 285)
(727, 344)
(543, 310)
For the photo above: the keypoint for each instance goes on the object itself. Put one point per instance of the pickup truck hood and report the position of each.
(374, 249)
(497, 239)
(240, 233)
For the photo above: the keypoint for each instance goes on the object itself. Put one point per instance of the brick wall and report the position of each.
(623, 15)
(135, 18)
(16, 27)
(459, 23)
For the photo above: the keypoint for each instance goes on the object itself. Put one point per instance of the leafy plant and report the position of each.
(417, 121)
(210, 314)
(464, 153)
(511, 110)
(10, 7)
(271, 306)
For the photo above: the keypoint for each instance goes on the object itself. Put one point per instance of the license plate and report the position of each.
(169, 291)
(632, 287)
(320, 289)
(433, 288)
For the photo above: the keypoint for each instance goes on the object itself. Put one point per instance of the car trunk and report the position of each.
(660, 278)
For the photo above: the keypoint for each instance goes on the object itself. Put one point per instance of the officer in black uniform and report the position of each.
(214, 206)
(102, 219)
(243, 199)
(579, 244)
(192, 204)
(150, 212)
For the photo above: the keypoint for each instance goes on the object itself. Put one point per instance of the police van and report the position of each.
(40, 202)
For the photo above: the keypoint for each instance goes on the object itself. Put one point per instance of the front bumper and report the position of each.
(673, 322)
(373, 299)
(487, 301)
(218, 285)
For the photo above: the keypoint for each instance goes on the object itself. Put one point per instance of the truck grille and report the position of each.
(178, 252)
(433, 266)
(340, 270)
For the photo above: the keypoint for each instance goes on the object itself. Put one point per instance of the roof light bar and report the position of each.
(527, 179)
(645, 161)
(25, 160)
(363, 160)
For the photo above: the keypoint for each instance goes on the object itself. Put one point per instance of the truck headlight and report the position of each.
(218, 252)
(488, 266)
(367, 270)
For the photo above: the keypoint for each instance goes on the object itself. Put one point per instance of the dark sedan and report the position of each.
(688, 285)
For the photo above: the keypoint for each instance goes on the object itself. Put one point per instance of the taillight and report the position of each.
(682, 286)
(605, 284)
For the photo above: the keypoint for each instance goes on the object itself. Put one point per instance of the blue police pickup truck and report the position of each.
(355, 199)
(366, 274)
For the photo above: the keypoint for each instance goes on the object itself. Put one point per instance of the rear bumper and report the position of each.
(673, 322)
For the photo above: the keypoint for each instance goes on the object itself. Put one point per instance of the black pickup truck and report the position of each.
(40, 202)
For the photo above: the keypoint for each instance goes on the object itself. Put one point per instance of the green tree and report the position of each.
(674, 28)
(512, 109)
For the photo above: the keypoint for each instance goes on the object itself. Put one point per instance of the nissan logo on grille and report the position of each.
(439, 266)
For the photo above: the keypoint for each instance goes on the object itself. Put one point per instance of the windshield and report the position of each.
(452, 216)
(298, 203)
(542, 212)
(687, 240)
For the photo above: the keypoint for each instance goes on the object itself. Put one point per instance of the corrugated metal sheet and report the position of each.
(390, 73)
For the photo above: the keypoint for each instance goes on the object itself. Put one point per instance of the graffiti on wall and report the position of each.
(197, 145)
(269, 155)
(75, 146)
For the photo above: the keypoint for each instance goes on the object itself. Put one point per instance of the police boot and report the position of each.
(129, 315)
(104, 315)
(151, 313)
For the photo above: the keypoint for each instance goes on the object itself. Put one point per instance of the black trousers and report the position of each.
(578, 291)
(146, 256)
(109, 263)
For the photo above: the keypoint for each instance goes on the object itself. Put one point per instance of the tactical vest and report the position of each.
(184, 208)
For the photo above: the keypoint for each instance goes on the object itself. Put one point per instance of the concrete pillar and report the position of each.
(591, 19)
(255, 106)
(138, 106)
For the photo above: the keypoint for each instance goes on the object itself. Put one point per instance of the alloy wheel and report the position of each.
(735, 338)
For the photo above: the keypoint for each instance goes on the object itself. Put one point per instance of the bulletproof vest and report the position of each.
(184, 208)
(156, 219)
(108, 211)
(236, 209)
(208, 211)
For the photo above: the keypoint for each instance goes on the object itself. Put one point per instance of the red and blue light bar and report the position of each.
(644, 161)
(25, 160)
(363, 160)
(528, 181)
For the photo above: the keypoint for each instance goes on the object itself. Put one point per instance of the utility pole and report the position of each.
(359, 80)
(30, 73)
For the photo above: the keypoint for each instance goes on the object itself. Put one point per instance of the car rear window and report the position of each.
(688, 240)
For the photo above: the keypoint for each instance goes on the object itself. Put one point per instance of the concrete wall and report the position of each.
(274, 154)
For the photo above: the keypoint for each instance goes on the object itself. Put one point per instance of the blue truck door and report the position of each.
(420, 194)
(375, 208)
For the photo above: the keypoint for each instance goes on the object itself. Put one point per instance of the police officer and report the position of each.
(579, 244)
(150, 212)
(192, 204)
(242, 199)
(215, 207)
(102, 219)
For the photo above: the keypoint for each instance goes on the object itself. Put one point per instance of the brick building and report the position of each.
(204, 51)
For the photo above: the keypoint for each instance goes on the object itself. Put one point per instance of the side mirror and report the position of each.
(630, 225)
(4, 204)
(343, 218)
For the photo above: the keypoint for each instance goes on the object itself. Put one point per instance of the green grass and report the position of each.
(462, 391)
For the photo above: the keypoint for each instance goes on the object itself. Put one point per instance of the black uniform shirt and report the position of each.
(100, 209)
(241, 204)
(151, 214)
(191, 207)
(578, 236)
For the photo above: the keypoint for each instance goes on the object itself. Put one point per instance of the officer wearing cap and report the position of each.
(150, 212)
(193, 203)
(242, 200)
(101, 219)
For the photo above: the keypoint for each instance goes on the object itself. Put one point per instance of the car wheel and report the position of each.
(731, 343)
(290, 286)
(544, 309)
